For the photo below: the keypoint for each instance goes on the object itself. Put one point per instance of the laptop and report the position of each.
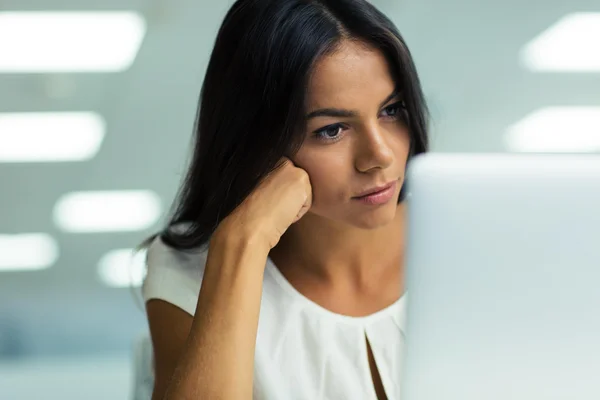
(503, 278)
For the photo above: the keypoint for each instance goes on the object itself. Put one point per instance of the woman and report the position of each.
(280, 275)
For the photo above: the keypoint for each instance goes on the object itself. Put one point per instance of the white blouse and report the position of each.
(303, 351)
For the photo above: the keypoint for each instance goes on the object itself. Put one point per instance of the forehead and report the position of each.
(354, 73)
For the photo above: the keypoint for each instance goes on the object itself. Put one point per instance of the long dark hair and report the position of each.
(251, 109)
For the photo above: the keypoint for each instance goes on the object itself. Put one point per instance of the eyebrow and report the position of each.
(342, 113)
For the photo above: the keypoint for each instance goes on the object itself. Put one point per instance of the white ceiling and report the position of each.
(467, 55)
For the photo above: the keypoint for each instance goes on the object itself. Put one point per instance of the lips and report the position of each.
(376, 190)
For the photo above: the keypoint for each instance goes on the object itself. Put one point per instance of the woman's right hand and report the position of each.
(280, 199)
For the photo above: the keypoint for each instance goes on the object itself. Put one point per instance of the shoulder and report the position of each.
(173, 275)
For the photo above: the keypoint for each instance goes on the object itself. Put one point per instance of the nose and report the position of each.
(373, 150)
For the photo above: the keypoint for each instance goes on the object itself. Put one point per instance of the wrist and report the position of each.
(238, 240)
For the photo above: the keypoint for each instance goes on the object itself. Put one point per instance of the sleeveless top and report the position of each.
(303, 351)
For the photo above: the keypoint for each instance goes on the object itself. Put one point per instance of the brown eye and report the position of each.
(394, 110)
(329, 133)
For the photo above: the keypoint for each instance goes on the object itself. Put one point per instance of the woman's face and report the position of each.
(356, 136)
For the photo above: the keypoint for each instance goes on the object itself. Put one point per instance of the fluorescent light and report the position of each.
(122, 268)
(107, 211)
(72, 41)
(27, 251)
(557, 129)
(570, 45)
(50, 137)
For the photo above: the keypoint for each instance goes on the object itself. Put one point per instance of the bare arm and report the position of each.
(169, 327)
(212, 355)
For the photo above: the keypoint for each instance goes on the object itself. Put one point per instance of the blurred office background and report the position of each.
(96, 113)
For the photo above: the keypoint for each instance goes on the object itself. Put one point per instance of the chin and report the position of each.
(357, 216)
(376, 218)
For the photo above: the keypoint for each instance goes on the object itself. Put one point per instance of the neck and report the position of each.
(333, 252)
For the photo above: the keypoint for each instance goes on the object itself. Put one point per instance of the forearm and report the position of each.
(218, 361)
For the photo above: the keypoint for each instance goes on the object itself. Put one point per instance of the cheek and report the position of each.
(403, 135)
(327, 172)
(402, 144)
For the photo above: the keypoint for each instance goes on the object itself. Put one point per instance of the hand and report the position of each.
(280, 199)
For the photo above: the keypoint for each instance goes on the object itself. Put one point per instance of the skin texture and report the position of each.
(338, 252)
(342, 253)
